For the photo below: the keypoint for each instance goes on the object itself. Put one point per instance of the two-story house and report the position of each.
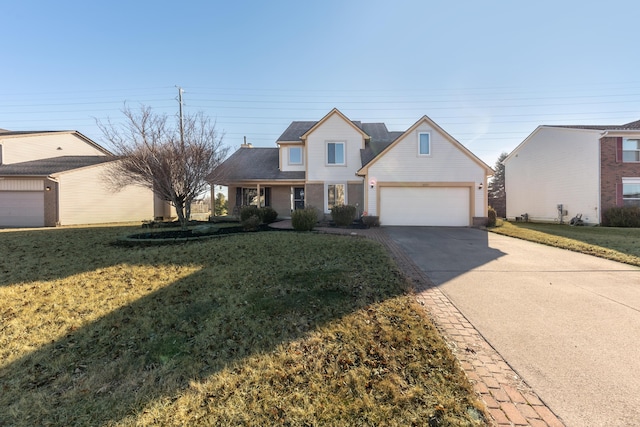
(559, 172)
(421, 176)
(57, 178)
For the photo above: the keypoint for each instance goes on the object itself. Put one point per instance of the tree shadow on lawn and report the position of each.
(48, 254)
(154, 347)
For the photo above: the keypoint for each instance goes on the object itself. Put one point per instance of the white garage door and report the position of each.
(21, 209)
(432, 206)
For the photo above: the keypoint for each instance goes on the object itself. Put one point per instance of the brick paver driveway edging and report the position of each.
(509, 400)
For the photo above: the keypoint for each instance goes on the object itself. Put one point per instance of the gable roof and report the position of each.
(255, 163)
(50, 166)
(356, 125)
(432, 124)
(631, 126)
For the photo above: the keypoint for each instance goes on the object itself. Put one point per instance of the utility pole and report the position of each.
(180, 91)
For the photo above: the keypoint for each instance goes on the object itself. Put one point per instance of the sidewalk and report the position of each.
(508, 399)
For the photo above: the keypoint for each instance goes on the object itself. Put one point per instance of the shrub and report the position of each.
(621, 217)
(371, 221)
(304, 219)
(247, 212)
(492, 217)
(251, 224)
(343, 215)
(268, 214)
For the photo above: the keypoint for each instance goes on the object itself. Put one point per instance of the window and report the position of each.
(335, 195)
(631, 150)
(249, 196)
(335, 153)
(631, 192)
(424, 144)
(295, 155)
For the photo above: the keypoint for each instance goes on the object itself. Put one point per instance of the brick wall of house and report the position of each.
(612, 170)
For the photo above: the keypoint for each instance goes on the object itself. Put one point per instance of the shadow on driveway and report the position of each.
(431, 248)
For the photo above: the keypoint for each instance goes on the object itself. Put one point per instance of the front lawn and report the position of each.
(617, 244)
(254, 329)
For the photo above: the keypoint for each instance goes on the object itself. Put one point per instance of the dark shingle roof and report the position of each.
(252, 164)
(381, 138)
(295, 131)
(4, 132)
(46, 167)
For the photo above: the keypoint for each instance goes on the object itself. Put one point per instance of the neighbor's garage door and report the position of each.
(21, 209)
(428, 206)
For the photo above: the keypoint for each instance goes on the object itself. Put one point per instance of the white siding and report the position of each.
(84, 199)
(284, 151)
(554, 166)
(18, 149)
(334, 129)
(447, 163)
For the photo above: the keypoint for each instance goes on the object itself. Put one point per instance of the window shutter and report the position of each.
(238, 196)
(619, 198)
(619, 150)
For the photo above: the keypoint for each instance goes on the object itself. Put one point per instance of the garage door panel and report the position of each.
(424, 206)
(21, 209)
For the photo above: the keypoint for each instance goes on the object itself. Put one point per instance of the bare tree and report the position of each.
(153, 153)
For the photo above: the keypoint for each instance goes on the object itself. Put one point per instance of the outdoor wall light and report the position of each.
(48, 188)
(480, 186)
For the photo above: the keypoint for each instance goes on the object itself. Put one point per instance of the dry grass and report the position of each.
(270, 328)
(617, 244)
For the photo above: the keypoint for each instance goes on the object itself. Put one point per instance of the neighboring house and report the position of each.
(57, 178)
(421, 176)
(559, 172)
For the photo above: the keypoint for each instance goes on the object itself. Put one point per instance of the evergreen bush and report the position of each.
(304, 219)
(343, 215)
(628, 216)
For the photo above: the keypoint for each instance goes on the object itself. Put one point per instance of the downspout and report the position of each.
(599, 212)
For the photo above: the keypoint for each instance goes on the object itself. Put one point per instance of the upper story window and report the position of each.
(631, 150)
(295, 155)
(335, 153)
(424, 144)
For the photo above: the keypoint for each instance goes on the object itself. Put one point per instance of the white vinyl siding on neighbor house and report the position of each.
(554, 166)
(19, 149)
(447, 163)
(84, 199)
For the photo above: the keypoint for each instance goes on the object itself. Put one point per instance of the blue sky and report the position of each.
(487, 72)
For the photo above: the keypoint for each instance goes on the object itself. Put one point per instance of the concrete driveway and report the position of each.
(568, 323)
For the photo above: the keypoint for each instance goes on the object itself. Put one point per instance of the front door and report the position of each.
(298, 198)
